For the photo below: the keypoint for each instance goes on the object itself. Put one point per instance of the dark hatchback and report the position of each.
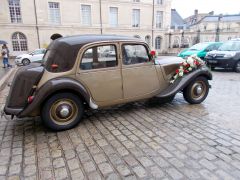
(227, 56)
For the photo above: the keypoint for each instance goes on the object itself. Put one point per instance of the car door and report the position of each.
(101, 74)
(139, 73)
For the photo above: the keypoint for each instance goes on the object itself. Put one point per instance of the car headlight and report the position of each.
(18, 57)
(230, 55)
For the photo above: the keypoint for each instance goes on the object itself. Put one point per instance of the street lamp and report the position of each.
(198, 36)
(218, 28)
(170, 38)
(182, 38)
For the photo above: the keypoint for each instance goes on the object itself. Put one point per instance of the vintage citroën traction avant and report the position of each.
(97, 71)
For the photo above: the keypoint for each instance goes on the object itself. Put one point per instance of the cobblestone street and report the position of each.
(134, 141)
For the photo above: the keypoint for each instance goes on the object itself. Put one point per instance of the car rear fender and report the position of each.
(183, 82)
(54, 86)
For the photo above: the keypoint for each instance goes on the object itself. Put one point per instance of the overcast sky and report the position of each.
(186, 7)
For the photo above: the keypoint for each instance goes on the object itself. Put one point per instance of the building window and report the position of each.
(229, 27)
(54, 12)
(137, 36)
(136, 18)
(158, 42)
(159, 2)
(86, 15)
(113, 17)
(186, 42)
(15, 11)
(159, 19)
(180, 27)
(19, 42)
(148, 39)
(176, 42)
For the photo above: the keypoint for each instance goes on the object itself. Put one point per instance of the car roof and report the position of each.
(86, 39)
(236, 39)
(39, 49)
(210, 43)
(213, 42)
(65, 50)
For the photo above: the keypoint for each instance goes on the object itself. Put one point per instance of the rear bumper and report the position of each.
(12, 111)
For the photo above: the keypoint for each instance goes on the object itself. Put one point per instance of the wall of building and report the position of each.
(71, 21)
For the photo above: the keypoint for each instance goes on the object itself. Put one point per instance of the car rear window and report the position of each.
(62, 55)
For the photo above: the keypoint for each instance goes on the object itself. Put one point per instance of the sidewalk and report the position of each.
(5, 73)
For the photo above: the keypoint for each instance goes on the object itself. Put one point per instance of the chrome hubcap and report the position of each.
(64, 112)
(198, 90)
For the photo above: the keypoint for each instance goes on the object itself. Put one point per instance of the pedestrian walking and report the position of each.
(5, 55)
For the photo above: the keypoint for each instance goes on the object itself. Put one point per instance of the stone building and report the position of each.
(201, 28)
(29, 24)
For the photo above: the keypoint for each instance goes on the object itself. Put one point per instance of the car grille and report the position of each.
(216, 55)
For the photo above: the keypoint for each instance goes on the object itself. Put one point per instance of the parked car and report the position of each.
(200, 49)
(69, 81)
(26, 59)
(108, 53)
(227, 56)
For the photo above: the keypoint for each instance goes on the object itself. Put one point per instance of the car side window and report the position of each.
(134, 54)
(216, 46)
(99, 57)
(37, 52)
(210, 48)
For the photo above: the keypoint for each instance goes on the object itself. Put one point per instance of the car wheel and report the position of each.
(237, 67)
(26, 62)
(197, 91)
(62, 111)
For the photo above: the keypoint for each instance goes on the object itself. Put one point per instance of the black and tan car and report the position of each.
(78, 73)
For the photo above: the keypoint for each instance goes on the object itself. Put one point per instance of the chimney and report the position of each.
(196, 12)
(211, 13)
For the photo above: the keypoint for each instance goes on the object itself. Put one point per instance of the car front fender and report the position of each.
(55, 86)
(183, 82)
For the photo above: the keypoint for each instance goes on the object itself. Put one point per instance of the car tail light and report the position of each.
(54, 66)
(30, 99)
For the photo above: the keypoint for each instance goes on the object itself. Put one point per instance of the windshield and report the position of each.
(31, 52)
(199, 47)
(230, 46)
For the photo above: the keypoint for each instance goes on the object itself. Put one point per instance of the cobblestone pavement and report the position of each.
(135, 141)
